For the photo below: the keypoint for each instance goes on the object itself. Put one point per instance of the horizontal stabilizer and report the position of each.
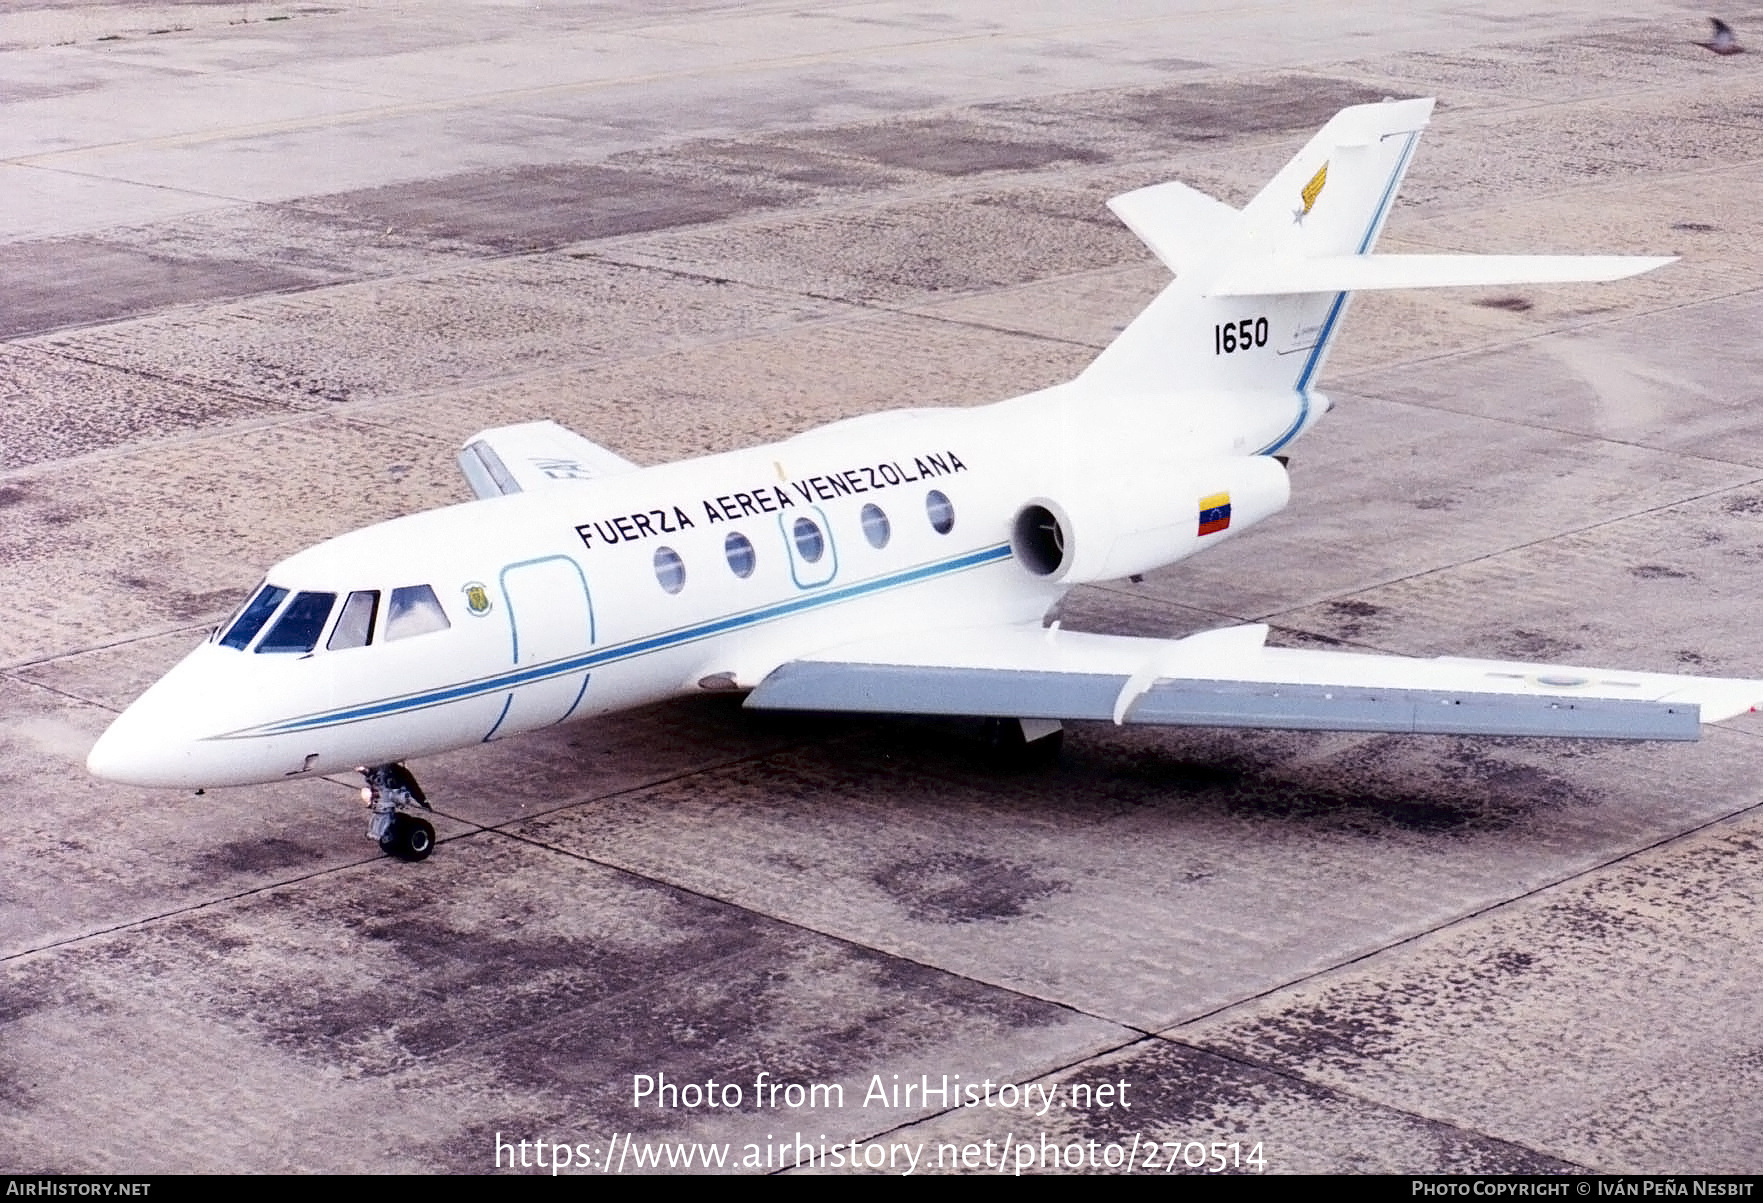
(1229, 678)
(534, 455)
(1182, 225)
(1354, 273)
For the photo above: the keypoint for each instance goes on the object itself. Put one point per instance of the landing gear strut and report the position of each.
(1023, 743)
(389, 789)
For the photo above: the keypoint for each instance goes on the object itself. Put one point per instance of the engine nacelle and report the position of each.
(1120, 524)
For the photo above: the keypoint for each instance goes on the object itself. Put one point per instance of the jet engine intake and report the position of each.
(1116, 525)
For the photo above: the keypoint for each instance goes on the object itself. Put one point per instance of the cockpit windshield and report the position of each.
(252, 617)
(298, 628)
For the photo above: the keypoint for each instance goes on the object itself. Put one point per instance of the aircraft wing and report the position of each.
(1230, 678)
(534, 455)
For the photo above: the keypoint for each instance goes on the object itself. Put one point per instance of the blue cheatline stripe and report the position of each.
(1340, 303)
(625, 651)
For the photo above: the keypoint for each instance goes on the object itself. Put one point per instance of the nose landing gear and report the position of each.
(390, 788)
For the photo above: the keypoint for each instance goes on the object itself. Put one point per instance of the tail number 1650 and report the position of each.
(1245, 335)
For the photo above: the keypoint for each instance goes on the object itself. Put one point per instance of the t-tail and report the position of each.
(1260, 292)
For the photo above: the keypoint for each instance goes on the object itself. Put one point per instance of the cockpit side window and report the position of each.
(355, 625)
(253, 616)
(414, 610)
(298, 628)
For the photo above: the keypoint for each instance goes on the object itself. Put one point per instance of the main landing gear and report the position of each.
(1017, 744)
(389, 789)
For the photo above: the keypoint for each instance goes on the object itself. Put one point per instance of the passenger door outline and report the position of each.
(534, 591)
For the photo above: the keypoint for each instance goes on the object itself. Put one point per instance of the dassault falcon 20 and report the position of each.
(903, 562)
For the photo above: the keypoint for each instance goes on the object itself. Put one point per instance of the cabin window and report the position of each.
(414, 610)
(741, 557)
(670, 570)
(355, 624)
(810, 543)
(296, 631)
(875, 526)
(940, 510)
(251, 619)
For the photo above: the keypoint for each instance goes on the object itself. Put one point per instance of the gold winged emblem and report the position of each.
(1313, 189)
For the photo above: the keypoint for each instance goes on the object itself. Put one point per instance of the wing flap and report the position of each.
(1229, 678)
(534, 455)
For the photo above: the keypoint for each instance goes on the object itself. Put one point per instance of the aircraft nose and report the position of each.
(128, 753)
(158, 741)
(107, 761)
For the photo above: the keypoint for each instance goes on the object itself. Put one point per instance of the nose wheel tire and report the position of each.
(387, 790)
(409, 839)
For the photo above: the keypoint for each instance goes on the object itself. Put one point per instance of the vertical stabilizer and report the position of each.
(1329, 201)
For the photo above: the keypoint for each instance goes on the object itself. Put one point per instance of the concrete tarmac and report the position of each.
(267, 265)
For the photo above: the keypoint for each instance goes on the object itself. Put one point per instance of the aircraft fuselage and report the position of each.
(598, 595)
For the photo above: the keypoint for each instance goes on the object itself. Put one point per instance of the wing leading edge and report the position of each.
(1230, 678)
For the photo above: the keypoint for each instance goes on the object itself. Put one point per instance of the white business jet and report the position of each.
(903, 562)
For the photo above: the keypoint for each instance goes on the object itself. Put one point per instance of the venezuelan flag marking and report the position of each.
(1214, 513)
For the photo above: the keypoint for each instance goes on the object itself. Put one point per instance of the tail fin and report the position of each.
(1260, 291)
(1329, 201)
